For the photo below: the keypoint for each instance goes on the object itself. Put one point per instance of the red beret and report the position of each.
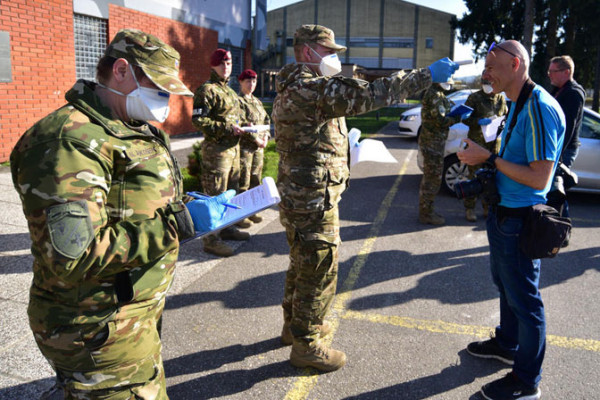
(247, 74)
(218, 56)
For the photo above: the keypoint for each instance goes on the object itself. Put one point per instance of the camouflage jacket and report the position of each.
(311, 133)
(255, 115)
(484, 106)
(434, 113)
(103, 201)
(216, 110)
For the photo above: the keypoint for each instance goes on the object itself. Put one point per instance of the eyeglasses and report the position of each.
(495, 46)
(552, 71)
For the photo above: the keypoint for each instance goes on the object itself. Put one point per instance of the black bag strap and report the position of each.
(523, 96)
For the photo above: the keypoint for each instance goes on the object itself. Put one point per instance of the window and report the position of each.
(90, 43)
(429, 43)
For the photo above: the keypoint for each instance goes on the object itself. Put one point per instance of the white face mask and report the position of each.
(487, 88)
(330, 65)
(446, 86)
(145, 104)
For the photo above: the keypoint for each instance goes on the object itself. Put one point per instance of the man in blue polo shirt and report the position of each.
(531, 146)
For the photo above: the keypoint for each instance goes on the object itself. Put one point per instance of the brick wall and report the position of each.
(43, 61)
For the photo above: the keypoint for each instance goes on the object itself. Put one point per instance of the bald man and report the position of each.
(531, 144)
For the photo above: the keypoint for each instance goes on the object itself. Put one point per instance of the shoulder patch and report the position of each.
(70, 228)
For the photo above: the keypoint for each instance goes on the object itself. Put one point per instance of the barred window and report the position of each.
(90, 43)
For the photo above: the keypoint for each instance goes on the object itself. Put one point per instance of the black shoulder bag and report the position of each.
(544, 230)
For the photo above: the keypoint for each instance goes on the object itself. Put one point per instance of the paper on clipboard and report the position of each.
(367, 149)
(251, 202)
(490, 130)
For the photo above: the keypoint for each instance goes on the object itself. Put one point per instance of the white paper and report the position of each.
(256, 128)
(251, 202)
(490, 130)
(367, 149)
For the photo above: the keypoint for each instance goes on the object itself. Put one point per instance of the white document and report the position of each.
(256, 128)
(367, 149)
(490, 130)
(251, 201)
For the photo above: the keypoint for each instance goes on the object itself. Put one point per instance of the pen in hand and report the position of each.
(202, 196)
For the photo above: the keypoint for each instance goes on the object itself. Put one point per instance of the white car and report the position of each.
(586, 165)
(410, 121)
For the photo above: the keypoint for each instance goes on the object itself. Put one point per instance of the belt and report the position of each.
(506, 212)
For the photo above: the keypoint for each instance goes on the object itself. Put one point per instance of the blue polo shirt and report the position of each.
(538, 135)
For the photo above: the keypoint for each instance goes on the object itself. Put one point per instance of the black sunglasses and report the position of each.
(495, 46)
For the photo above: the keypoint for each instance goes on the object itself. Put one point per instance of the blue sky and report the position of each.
(457, 7)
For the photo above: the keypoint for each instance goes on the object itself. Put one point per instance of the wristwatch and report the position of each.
(492, 159)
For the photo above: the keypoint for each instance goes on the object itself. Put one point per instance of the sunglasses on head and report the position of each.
(496, 46)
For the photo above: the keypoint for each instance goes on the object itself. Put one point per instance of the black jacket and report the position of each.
(571, 98)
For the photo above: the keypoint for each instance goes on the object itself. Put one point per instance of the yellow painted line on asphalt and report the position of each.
(304, 384)
(470, 330)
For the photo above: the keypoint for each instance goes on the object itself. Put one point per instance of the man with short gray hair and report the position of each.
(571, 97)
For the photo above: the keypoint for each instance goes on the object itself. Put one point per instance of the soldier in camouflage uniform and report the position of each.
(252, 145)
(432, 141)
(312, 142)
(217, 114)
(485, 106)
(102, 195)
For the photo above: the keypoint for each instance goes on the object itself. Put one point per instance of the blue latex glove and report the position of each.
(465, 115)
(207, 211)
(484, 121)
(442, 70)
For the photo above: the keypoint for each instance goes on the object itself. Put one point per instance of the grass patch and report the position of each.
(373, 121)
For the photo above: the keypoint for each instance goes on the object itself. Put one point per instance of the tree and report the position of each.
(561, 27)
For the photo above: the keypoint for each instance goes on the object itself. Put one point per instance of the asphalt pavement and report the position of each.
(410, 298)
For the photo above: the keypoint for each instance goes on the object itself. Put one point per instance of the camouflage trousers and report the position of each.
(432, 150)
(311, 277)
(220, 172)
(116, 360)
(251, 166)
(494, 147)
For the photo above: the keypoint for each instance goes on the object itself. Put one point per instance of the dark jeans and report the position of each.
(522, 322)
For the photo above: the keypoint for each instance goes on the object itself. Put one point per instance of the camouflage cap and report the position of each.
(317, 34)
(158, 60)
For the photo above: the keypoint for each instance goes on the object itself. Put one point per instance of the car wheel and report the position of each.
(454, 171)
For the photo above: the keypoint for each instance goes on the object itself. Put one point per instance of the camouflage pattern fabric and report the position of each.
(484, 106)
(432, 141)
(312, 142)
(103, 201)
(158, 60)
(251, 156)
(216, 110)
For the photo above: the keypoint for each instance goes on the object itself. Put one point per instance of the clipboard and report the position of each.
(459, 110)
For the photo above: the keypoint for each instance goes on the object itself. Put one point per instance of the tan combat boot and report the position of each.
(286, 333)
(216, 246)
(245, 223)
(431, 218)
(320, 357)
(233, 233)
(255, 218)
(470, 215)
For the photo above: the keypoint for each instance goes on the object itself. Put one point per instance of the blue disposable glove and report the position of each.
(442, 70)
(484, 121)
(207, 211)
